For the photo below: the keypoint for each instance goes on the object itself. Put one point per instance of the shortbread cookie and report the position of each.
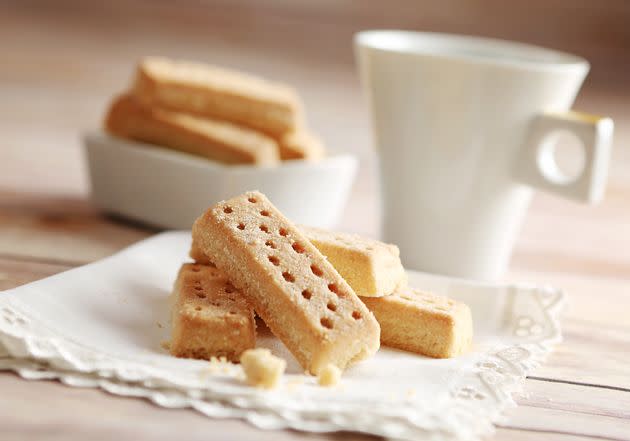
(210, 317)
(215, 140)
(197, 255)
(301, 144)
(261, 368)
(292, 287)
(218, 93)
(422, 322)
(371, 268)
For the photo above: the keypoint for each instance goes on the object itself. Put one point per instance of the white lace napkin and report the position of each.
(102, 325)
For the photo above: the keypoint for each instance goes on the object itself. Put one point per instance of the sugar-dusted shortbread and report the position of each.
(219, 93)
(262, 368)
(210, 317)
(300, 144)
(371, 268)
(422, 322)
(293, 288)
(216, 140)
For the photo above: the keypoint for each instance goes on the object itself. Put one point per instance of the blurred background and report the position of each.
(62, 61)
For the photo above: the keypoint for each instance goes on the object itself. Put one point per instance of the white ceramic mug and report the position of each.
(464, 128)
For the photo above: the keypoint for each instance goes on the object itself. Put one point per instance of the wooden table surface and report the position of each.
(58, 68)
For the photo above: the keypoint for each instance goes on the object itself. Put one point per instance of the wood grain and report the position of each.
(60, 229)
(61, 63)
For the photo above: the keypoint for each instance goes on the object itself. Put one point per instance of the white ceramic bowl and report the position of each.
(170, 189)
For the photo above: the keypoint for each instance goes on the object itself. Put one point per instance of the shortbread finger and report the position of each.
(300, 144)
(292, 287)
(197, 255)
(371, 268)
(219, 93)
(422, 322)
(215, 140)
(210, 317)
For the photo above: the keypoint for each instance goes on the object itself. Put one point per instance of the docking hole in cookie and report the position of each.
(241, 226)
(307, 294)
(274, 260)
(298, 247)
(326, 322)
(288, 277)
(317, 270)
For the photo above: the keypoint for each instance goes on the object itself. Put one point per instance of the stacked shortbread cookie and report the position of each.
(215, 113)
(330, 297)
(422, 322)
(290, 284)
(370, 267)
(210, 317)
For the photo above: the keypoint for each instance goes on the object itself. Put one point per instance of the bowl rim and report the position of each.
(102, 137)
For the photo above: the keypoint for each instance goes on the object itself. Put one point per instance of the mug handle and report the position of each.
(537, 167)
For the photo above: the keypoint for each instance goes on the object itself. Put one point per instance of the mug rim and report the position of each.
(517, 55)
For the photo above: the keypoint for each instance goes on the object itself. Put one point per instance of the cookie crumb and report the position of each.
(329, 376)
(262, 369)
(215, 365)
(218, 362)
(294, 384)
(166, 345)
